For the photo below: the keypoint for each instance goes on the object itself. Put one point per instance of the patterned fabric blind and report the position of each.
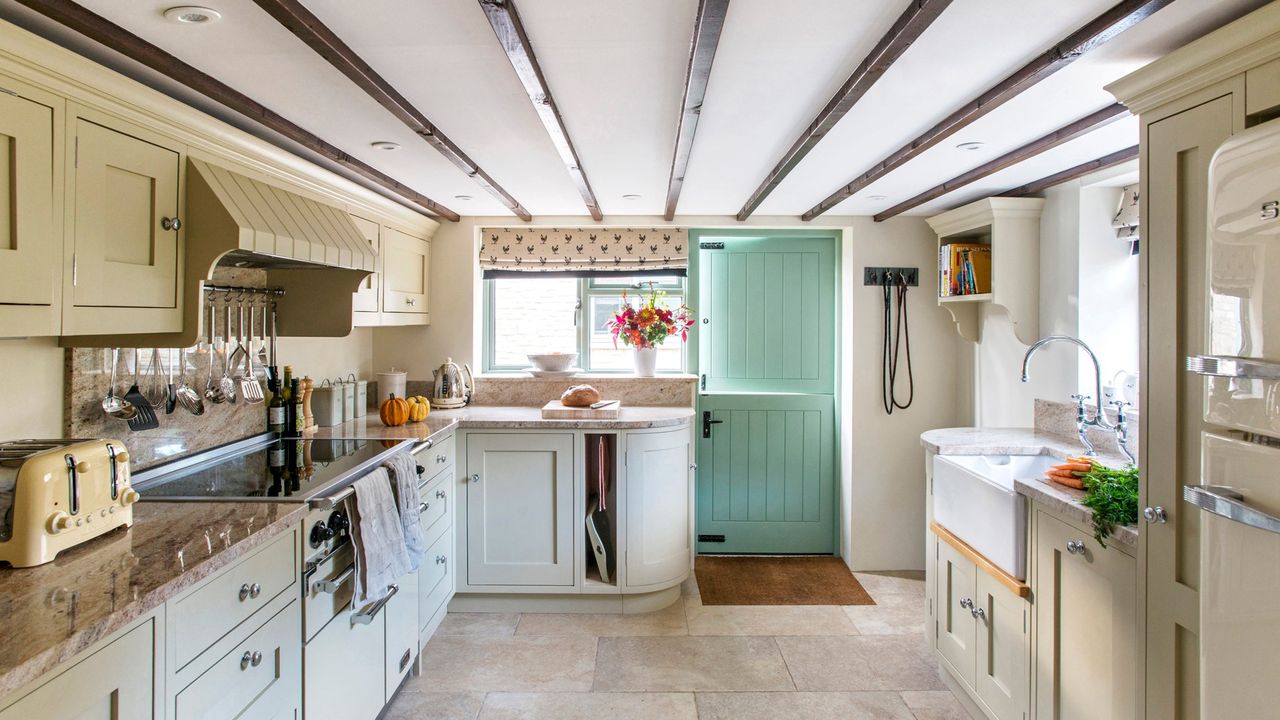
(584, 250)
(1126, 221)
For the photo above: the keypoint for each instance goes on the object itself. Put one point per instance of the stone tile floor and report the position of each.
(688, 662)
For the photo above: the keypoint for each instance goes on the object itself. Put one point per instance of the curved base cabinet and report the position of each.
(526, 498)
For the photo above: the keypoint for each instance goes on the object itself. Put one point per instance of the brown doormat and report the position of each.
(750, 580)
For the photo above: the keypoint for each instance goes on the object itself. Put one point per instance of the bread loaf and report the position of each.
(579, 396)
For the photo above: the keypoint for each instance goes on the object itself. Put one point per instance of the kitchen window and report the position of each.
(546, 313)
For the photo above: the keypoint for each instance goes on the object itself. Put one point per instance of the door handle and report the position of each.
(707, 422)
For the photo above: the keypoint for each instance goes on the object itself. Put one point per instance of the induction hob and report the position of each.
(267, 468)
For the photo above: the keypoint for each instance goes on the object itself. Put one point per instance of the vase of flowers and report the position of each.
(647, 325)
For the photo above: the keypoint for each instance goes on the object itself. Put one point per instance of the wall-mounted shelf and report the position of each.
(1011, 226)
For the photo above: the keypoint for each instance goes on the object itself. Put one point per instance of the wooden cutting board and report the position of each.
(555, 410)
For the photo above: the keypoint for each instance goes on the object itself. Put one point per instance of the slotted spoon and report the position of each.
(186, 395)
(249, 386)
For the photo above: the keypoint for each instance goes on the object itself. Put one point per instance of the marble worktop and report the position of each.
(505, 417)
(50, 613)
(1021, 441)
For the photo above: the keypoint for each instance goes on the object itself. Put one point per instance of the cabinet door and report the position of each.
(366, 298)
(29, 272)
(406, 264)
(956, 626)
(1002, 675)
(114, 683)
(657, 505)
(125, 188)
(520, 518)
(1085, 618)
(345, 672)
(401, 631)
(1178, 150)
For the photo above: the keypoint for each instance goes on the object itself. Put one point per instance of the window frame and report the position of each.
(588, 288)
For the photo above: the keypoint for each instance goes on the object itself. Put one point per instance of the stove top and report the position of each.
(266, 469)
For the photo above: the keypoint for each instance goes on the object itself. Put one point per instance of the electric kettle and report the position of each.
(449, 389)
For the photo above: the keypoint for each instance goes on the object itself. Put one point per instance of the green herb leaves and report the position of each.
(1112, 495)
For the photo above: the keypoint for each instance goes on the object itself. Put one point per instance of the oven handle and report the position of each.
(365, 618)
(331, 586)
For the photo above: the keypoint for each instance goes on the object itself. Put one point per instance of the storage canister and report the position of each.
(326, 405)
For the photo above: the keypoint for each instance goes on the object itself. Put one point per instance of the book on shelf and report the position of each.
(964, 269)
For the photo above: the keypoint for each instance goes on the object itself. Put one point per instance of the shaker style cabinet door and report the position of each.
(956, 625)
(126, 198)
(29, 253)
(114, 683)
(520, 519)
(366, 298)
(657, 496)
(1002, 675)
(406, 262)
(1085, 624)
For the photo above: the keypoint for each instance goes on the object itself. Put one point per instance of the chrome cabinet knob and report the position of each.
(170, 223)
(980, 614)
(440, 494)
(1155, 514)
(255, 590)
(475, 478)
(422, 507)
(246, 660)
(410, 301)
(966, 603)
(257, 658)
(441, 559)
(1075, 547)
(244, 592)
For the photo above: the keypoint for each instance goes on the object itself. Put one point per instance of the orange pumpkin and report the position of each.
(394, 411)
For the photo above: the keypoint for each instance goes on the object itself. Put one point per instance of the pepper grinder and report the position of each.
(308, 385)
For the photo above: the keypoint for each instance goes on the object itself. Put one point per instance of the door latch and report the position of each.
(707, 422)
(702, 382)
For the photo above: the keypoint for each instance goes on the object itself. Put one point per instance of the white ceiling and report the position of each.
(616, 69)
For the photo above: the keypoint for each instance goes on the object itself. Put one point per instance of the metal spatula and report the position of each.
(249, 387)
(146, 418)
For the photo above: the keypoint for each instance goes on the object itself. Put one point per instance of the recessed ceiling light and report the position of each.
(192, 15)
(386, 145)
(461, 197)
(877, 197)
(631, 196)
(972, 145)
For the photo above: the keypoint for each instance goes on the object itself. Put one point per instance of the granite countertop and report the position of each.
(1021, 441)
(50, 613)
(501, 416)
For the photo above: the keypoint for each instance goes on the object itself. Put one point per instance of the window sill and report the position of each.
(599, 375)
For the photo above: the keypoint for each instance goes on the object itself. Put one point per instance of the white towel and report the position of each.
(404, 474)
(381, 557)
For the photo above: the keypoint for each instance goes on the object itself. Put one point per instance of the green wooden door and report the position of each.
(766, 356)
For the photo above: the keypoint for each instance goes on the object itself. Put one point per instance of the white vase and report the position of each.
(646, 361)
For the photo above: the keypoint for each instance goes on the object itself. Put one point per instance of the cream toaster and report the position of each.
(56, 494)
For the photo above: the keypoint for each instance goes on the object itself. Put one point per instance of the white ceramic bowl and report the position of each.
(553, 361)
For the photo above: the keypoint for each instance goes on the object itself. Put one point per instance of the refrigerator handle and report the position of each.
(1233, 367)
(1229, 503)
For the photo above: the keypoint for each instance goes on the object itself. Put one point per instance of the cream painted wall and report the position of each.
(330, 358)
(31, 372)
(882, 481)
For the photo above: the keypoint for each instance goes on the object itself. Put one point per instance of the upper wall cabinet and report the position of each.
(397, 294)
(124, 229)
(1007, 231)
(30, 228)
(366, 302)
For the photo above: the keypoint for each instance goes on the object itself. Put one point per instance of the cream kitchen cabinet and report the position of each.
(31, 147)
(1085, 625)
(368, 299)
(114, 682)
(520, 516)
(124, 237)
(406, 270)
(657, 481)
(982, 632)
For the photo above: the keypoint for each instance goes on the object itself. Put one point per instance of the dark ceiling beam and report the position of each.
(105, 32)
(702, 52)
(309, 29)
(1101, 29)
(1102, 163)
(908, 28)
(1083, 126)
(515, 43)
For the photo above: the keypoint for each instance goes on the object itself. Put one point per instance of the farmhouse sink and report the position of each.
(974, 498)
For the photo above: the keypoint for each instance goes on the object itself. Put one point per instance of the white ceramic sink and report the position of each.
(974, 498)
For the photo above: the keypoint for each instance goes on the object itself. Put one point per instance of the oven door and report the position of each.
(344, 669)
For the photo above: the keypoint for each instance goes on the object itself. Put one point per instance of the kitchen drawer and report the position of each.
(345, 670)
(217, 607)
(437, 458)
(435, 505)
(435, 577)
(260, 677)
(401, 613)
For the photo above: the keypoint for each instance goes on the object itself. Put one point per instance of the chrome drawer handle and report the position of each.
(1075, 547)
(1230, 503)
(422, 507)
(250, 659)
(1233, 367)
(366, 618)
(440, 494)
(331, 586)
(441, 458)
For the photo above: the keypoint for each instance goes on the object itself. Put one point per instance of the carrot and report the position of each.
(1075, 483)
(1082, 467)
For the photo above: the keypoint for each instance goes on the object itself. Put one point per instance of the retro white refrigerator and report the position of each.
(1240, 468)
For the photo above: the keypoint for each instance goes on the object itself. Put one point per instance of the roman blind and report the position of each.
(1126, 220)
(584, 251)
